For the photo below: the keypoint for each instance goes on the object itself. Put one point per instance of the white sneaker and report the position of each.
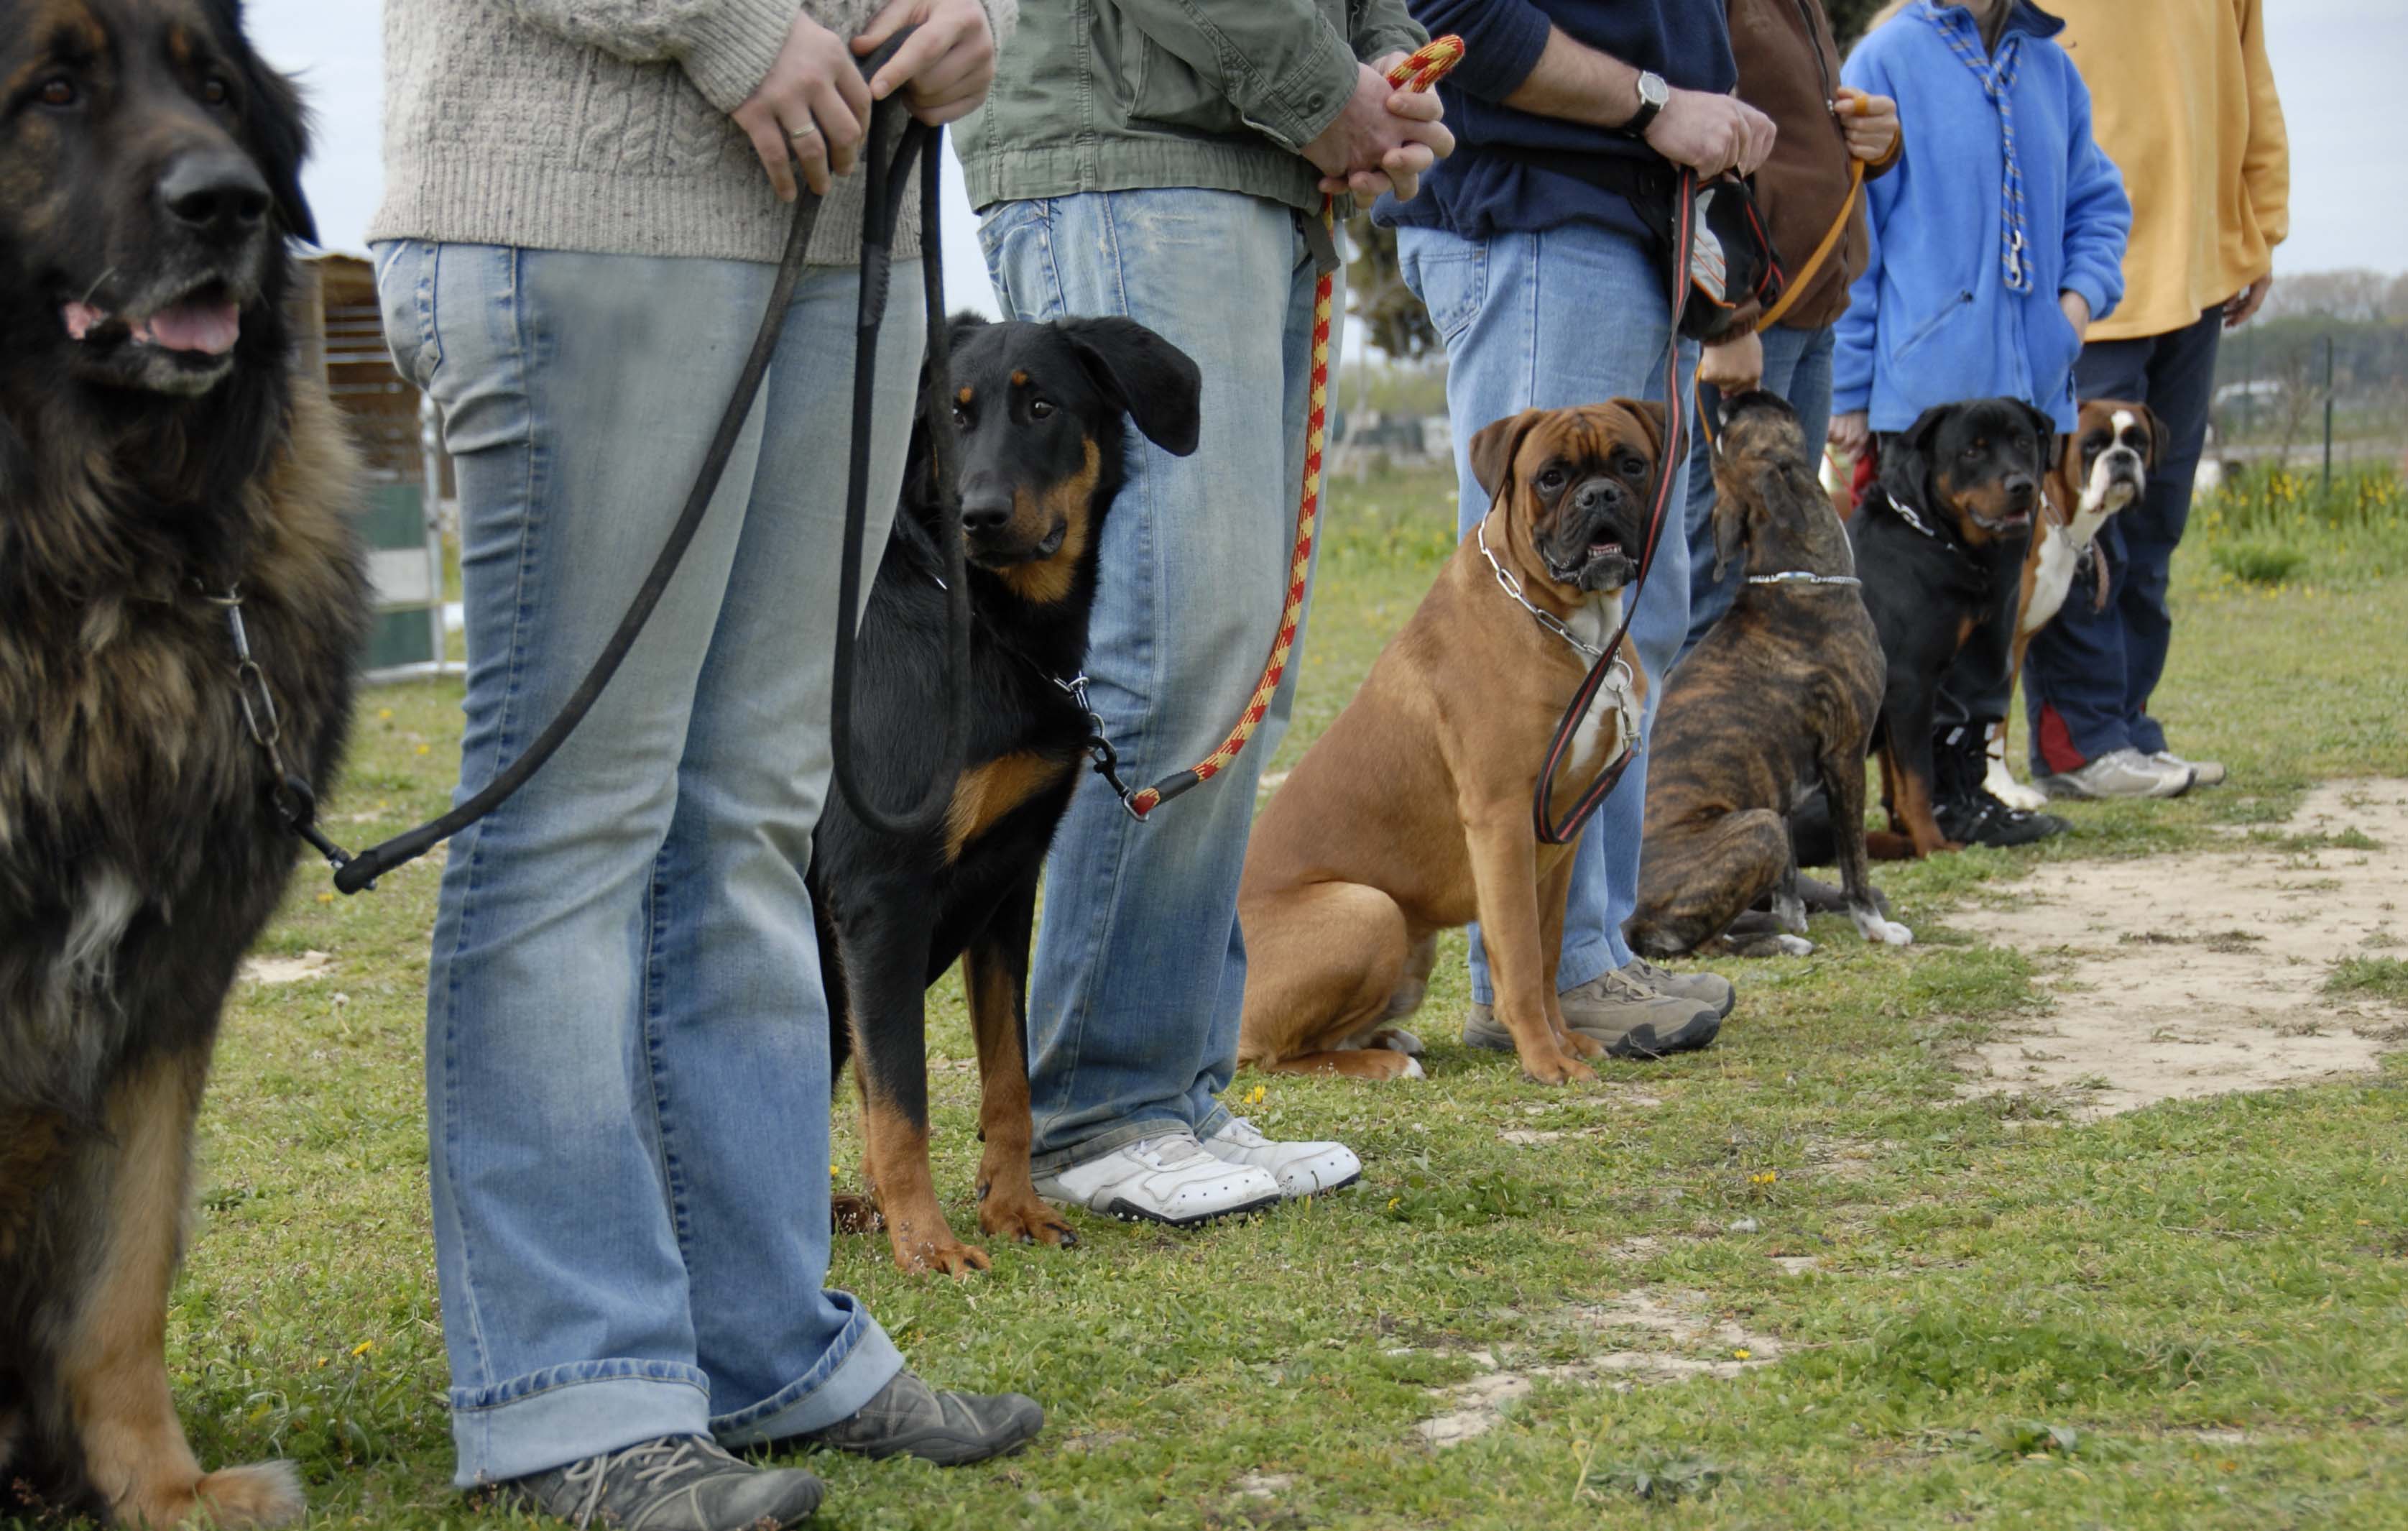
(1301, 1169)
(2121, 773)
(1168, 1179)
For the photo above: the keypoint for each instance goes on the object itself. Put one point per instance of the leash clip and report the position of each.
(294, 803)
(1100, 744)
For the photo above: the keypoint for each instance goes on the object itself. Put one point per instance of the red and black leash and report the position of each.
(1675, 451)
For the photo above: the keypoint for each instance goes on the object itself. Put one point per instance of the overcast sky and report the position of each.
(2336, 61)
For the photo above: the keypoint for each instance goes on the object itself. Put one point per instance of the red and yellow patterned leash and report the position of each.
(1428, 64)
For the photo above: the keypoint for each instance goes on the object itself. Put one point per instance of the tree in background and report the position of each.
(1376, 293)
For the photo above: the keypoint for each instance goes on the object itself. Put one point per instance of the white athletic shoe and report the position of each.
(1301, 1169)
(1168, 1179)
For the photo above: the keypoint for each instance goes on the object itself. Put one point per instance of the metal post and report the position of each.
(2328, 408)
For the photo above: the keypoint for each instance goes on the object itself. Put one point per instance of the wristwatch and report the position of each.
(1652, 93)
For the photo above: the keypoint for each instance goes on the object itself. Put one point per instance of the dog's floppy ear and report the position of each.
(1155, 381)
(2052, 445)
(2157, 436)
(1652, 419)
(1730, 522)
(1493, 448)
(961, 326)
(1903, 465)
(275, 122)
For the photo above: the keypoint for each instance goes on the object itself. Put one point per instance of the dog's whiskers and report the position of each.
(97, 282)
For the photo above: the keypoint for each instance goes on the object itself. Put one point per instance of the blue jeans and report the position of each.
(1137, 975)
(1797, 367)
(2089, 676)
(1574, 315)
(626, 1043)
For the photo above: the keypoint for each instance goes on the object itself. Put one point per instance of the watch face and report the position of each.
(1653, 89)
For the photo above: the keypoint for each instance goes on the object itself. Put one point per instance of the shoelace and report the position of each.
(1166, 1152)
(681, 1455)
(1619, 984)
(1244, 1133)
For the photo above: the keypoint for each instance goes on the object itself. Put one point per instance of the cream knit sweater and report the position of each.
(601, 126)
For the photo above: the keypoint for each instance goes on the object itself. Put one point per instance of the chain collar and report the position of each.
(1511, 587)
(1802, 576)
(1906, 513)
(288, 792)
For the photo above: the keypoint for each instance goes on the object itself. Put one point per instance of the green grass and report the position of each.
(2382, 977)
(2193, 1316)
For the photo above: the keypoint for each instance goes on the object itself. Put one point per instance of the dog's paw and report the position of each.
(1558, 1070)
(262, 1494)
(1397, 1039)
(1026, 1220)
(2014, 794)
(1412, 1069)
(1794, 945)
(1880, 932)
(945, 1255)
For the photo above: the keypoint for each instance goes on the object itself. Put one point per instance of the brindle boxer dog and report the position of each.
(1779, 697)
(1412, 814)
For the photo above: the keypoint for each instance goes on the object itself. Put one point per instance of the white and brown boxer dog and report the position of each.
(1412, 814)
(2103, 469)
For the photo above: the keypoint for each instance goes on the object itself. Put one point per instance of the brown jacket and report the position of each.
(1789, 69)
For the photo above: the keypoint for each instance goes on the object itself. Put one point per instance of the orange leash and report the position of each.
(1428, 64)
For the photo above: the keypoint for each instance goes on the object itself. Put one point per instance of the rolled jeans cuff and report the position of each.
(853, 1370)
(563, 1414)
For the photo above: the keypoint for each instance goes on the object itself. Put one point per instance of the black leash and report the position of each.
(1676, 447)
(888, 176)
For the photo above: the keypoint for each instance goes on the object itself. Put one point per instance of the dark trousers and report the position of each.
(2089, 673)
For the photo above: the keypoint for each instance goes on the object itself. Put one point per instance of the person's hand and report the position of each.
(2076, 309)
(1710, 133)
(2245, 302)
(948, 64)
(1871, 122)
(1851, 433)
(1733, 367)
(813, 106)
(1383, 139)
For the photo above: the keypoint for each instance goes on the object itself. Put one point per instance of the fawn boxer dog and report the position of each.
(1412, 814)
(2102, 469)
(1778, 699)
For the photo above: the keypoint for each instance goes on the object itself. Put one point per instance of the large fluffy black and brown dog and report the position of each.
(157, 455)
(1778, 699)
(1041, 411)
(1940, 543)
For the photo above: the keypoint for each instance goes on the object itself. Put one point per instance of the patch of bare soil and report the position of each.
(286, 970)
(2199, 974)
(1680, 1341)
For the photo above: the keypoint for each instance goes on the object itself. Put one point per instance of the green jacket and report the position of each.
(1100, 95)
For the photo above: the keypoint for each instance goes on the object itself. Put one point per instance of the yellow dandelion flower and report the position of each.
(1742, 1352)
(363, 1347)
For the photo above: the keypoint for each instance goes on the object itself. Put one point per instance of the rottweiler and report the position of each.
(172, 486)
(1940, 543)
(1779, 697)
(1042, 413)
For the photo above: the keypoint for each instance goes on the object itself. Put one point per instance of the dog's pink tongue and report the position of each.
(81, 319)
(210, 329)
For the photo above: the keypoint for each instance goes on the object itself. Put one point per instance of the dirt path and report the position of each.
(2177, 977)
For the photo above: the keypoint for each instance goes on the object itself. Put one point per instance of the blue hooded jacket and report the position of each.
(1934, 319)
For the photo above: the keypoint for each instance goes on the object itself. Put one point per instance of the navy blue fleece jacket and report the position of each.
(1477, 193)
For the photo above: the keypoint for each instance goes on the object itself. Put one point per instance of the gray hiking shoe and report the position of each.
(909, 1418)
(675, 1483)
(1630, 1018)
(2121, 774)
(1704, 988)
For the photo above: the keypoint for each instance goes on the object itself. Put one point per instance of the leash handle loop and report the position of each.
(1428, 64)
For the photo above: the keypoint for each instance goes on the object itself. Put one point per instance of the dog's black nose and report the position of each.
(214, 192)
(986, 511)
(2019, 489)
(1597, 495)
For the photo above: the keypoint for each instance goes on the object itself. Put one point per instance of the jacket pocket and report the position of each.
(1166, 89)
(2055, 348)
(1935, 322)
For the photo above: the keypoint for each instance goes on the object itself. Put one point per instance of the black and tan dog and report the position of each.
(159, 452)
(1040, 411)
(1778, 699)
(1412, 814)
(1940, 543)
